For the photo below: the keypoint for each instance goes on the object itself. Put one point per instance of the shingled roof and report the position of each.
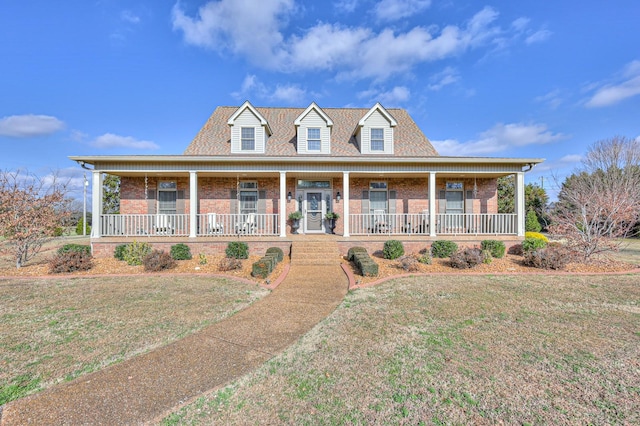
(214, 139)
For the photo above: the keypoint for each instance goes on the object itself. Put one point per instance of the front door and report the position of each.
(314, 211)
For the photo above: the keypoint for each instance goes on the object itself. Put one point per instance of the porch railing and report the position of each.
(222, 224)
(113, 225)
(446, 224)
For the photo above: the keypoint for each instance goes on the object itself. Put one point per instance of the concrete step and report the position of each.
(314, 253)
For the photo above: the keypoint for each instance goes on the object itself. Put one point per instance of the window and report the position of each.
(377, 197)
(313, 139)
(454, 197)
(167, 197)
(248, 197)
(248, 138)
(377, 139)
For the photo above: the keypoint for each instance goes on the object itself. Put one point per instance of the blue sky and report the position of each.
(503, 78)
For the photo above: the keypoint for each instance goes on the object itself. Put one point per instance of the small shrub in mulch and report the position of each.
(229, 264)
(158, 260)
(70, 261)
(119, 251)
(516, 250)
(237, 250)
(181, 252)
(353, 250)
(425, 257)
(495, 247)
(443, 248)
(409, 263)
(82, 248)
(392, 249)
(467, 258)
(552, 257)
(537, 235)
(277, 252)
(135, 252)
(532, 244)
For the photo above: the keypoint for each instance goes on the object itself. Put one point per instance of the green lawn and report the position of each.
(453, 350)
(54, 330)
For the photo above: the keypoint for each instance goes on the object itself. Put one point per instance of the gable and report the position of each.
(313, 131)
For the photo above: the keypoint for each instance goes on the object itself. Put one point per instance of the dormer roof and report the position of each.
(310, 108)
(247, 105)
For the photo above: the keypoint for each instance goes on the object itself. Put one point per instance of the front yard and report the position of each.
(441, 350)
(54, 330)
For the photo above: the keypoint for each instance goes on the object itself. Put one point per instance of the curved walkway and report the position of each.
(149, 386)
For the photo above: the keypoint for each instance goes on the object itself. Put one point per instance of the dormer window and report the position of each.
(313, 139)
(248, 138)
(377, 139)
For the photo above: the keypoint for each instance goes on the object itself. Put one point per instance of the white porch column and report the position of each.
(193, 204)
(96, 203)
(283, 204)
(519, 202)
(345, 200)
(432, 204)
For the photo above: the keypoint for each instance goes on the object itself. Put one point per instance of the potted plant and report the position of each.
(295, 217)
(331, 218)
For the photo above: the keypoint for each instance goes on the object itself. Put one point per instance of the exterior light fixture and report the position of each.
(289, 196)
(338, 197)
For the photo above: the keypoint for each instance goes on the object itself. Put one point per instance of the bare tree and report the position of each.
(31, 208)
(601, 203)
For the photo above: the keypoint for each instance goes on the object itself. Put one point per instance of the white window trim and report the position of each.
(242, 139)
(371, 139)
(318, 139)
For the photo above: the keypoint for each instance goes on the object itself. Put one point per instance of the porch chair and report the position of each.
(213, 227)
(248, 226)
(380, 225)
(163, 224)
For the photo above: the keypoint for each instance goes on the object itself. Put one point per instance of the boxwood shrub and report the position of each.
(78, 248)
(443, 248)
(180, 252)
(392, 249)
(237, 250)
(496, 248)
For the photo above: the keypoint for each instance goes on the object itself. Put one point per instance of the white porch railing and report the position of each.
(222, 224)
(113, 225)
(446, 224)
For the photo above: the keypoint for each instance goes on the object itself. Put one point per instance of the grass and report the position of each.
(55, 330)
(468, 350)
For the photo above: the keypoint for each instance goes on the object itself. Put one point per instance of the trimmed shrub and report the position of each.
(392, 249)
(79, 248)
(70, 261)
(443, 248)
(158, 260)
(229, 264)
(237, 250)
(531, 223)
(80, 228)
(409, 263)
(467, 258)
(263, 267)
(531, 244)
(552, 257)
(119, 251)
(496, 248)
(536, 235)
(277, 252)
(135, 252)
(353, 250)
(368, 268)
(181, 252)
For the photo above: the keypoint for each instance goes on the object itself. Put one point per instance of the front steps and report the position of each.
(314, 253)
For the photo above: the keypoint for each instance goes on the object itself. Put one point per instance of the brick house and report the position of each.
(249, 168)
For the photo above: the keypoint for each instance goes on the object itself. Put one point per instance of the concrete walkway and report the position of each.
(146, 388)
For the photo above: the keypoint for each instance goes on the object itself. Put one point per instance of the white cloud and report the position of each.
(626, 86)
(393, 10)
(500, 138)
(290, 93)
(394, 96)
(253, 88)
(239, 26)
(29, 125)
(130, 17)
(351, 52)
(445, 77)
(554, 99)
(109, 140)
(571, 158)
(538, 37)
(345, 6)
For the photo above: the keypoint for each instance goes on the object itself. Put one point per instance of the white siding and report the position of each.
(376, 121)
(247, 119)
(313, 119)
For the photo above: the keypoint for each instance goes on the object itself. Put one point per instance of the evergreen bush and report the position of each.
(119, 251)
(532, 244)
(135, 252)
(496, 248)
(392, 249)
(237, 250)
(531, 223)
(80, 248)
(80, 227)
(277, 251)
(443, 248)
(180, 252)
(353, 250)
